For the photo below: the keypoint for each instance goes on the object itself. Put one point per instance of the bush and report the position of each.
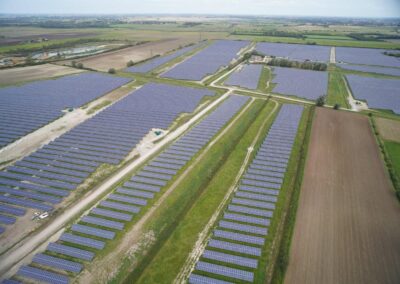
(111, 71)
(336, 106)
(320, 101)
(79, 65)
(130, 63)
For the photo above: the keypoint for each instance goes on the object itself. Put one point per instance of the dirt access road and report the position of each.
(348, 221)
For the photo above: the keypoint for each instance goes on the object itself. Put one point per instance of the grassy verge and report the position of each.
(337, 92)
(280, 257)
(265, 80)
(178, 203)
(172, 255)
(98, 106)
(391, 156)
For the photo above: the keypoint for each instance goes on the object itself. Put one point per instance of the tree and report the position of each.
(336, 106)
(111, 71)
(73, 63)
(130, 63)
(320, 101)
(79, 65)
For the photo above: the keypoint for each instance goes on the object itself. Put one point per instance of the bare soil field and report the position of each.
(22, 74)
(389, 129)
(118, 59)
(348, 220)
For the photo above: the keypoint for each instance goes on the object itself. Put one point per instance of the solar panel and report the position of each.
(264, 178)
(229, 258)
(165, 165)
(130, 200)
(142, 186)
(244, 249)
(7, 220)
(225, 271)
(70, 251)
(42, 275)
(93, 231)
(247, 219)
(119, 206)
(260, 184)
(239, 237)
(251, 211)
(134, 192)
(111, 214)
(243, 228)
(57, 263)
(154, 175)
(255, 196)
(87, 242)
(159, 170)
(12, 210)
(200, 279)
(25, 203)
(259, 190)
(102, 222)
(29, 194)
(148, 180)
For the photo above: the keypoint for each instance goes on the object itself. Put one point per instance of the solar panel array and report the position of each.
(371, 69)
(295, 51)
(247, 77)
(379, 93)
(157, 62)
(300, 83)
(239, 237)
(368, 56)
(26, 108)
(45, 177)
(207, 61)
(119, 207)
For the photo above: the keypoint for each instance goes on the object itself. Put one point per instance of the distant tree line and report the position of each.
(372, 37)
(281, 62)
(270, 33)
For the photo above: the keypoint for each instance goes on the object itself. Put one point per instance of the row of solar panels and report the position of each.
(119, 207)
(247, 77)
(26, 108)
(159, 61)
(46, 176)
(234, 250)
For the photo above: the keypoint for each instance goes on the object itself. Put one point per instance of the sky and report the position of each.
(331, 8)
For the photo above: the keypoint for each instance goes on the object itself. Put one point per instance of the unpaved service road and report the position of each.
(348, 221)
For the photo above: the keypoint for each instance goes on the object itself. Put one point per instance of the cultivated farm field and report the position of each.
(348, 220)
(118, 59)
(389, 128)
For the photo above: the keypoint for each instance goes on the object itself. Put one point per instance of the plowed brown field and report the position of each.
(348, 221)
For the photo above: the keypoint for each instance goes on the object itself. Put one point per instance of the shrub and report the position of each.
(79, 65)
(111, 71)
(336, 106)
(320, 101)
(130, 63)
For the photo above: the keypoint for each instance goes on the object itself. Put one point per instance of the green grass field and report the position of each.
(176, 249)
(337, 92)
(167, 217)
(393, 151)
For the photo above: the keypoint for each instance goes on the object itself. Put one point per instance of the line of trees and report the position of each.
(281, 62)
